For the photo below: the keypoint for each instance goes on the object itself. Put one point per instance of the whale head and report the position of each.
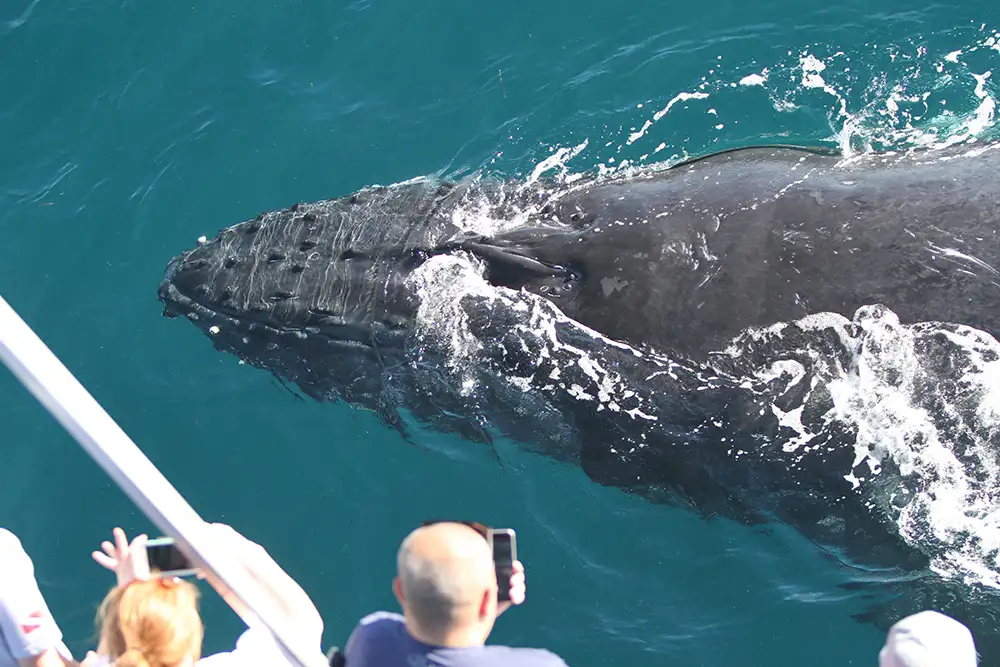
(315, 292)
(319, 293)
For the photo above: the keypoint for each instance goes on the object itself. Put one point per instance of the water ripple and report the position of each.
(14, 24)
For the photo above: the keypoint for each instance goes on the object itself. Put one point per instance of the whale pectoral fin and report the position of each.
(472, 430)
(283, 383)
(391, 418)
(665, 473)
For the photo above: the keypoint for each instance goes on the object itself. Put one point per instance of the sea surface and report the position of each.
(129, 129)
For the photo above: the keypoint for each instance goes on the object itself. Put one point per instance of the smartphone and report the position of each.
(166, 560)
(504, 543)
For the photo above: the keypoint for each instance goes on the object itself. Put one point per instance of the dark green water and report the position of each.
(128, 130)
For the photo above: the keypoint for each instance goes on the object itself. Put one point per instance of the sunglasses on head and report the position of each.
(482, 529)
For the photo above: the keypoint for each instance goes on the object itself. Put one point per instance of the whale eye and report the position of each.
(567, 287)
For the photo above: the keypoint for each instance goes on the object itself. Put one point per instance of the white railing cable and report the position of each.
(41, 372)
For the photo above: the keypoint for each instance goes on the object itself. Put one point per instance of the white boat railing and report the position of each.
(41, 372)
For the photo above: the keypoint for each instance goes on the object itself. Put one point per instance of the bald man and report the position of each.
(447, 587)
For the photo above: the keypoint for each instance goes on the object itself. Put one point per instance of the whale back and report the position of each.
(687, 258)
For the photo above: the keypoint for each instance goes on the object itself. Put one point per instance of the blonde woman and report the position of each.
(145, 621)
(150, 621)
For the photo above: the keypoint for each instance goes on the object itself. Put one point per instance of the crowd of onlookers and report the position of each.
(446, 586)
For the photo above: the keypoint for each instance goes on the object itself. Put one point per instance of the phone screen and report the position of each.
(504, 555)
(164, 557)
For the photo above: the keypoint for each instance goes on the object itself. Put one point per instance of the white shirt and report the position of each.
(256, 646)
(26, 626)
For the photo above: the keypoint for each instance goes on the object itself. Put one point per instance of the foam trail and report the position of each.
(556, 160)
(754, 79)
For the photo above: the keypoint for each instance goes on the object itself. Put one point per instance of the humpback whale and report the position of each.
(765, 334)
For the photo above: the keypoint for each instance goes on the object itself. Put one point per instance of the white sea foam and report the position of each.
(943, 439)
(754, 80)
(443, 282)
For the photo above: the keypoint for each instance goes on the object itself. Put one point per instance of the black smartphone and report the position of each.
(166, 560)
(504, 543)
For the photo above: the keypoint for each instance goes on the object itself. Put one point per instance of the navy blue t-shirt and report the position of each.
(381, 640)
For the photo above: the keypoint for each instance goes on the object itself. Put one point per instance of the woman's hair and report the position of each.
(153, 623)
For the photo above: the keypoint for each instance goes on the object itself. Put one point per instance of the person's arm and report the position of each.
(26, 624)
(128, 562)
(283, 591)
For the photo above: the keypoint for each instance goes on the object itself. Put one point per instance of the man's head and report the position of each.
(928, 639)
(447, 585)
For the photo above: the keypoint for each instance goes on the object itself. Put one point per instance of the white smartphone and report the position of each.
(166, 560)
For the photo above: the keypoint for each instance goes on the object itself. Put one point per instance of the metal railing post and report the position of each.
(41, 372)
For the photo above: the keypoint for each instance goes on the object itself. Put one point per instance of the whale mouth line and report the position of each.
(178, 304)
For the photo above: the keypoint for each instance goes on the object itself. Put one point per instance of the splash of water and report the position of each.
(894, 97)
(926, 395)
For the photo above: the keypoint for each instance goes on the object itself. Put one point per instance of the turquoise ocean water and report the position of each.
(129, 129)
